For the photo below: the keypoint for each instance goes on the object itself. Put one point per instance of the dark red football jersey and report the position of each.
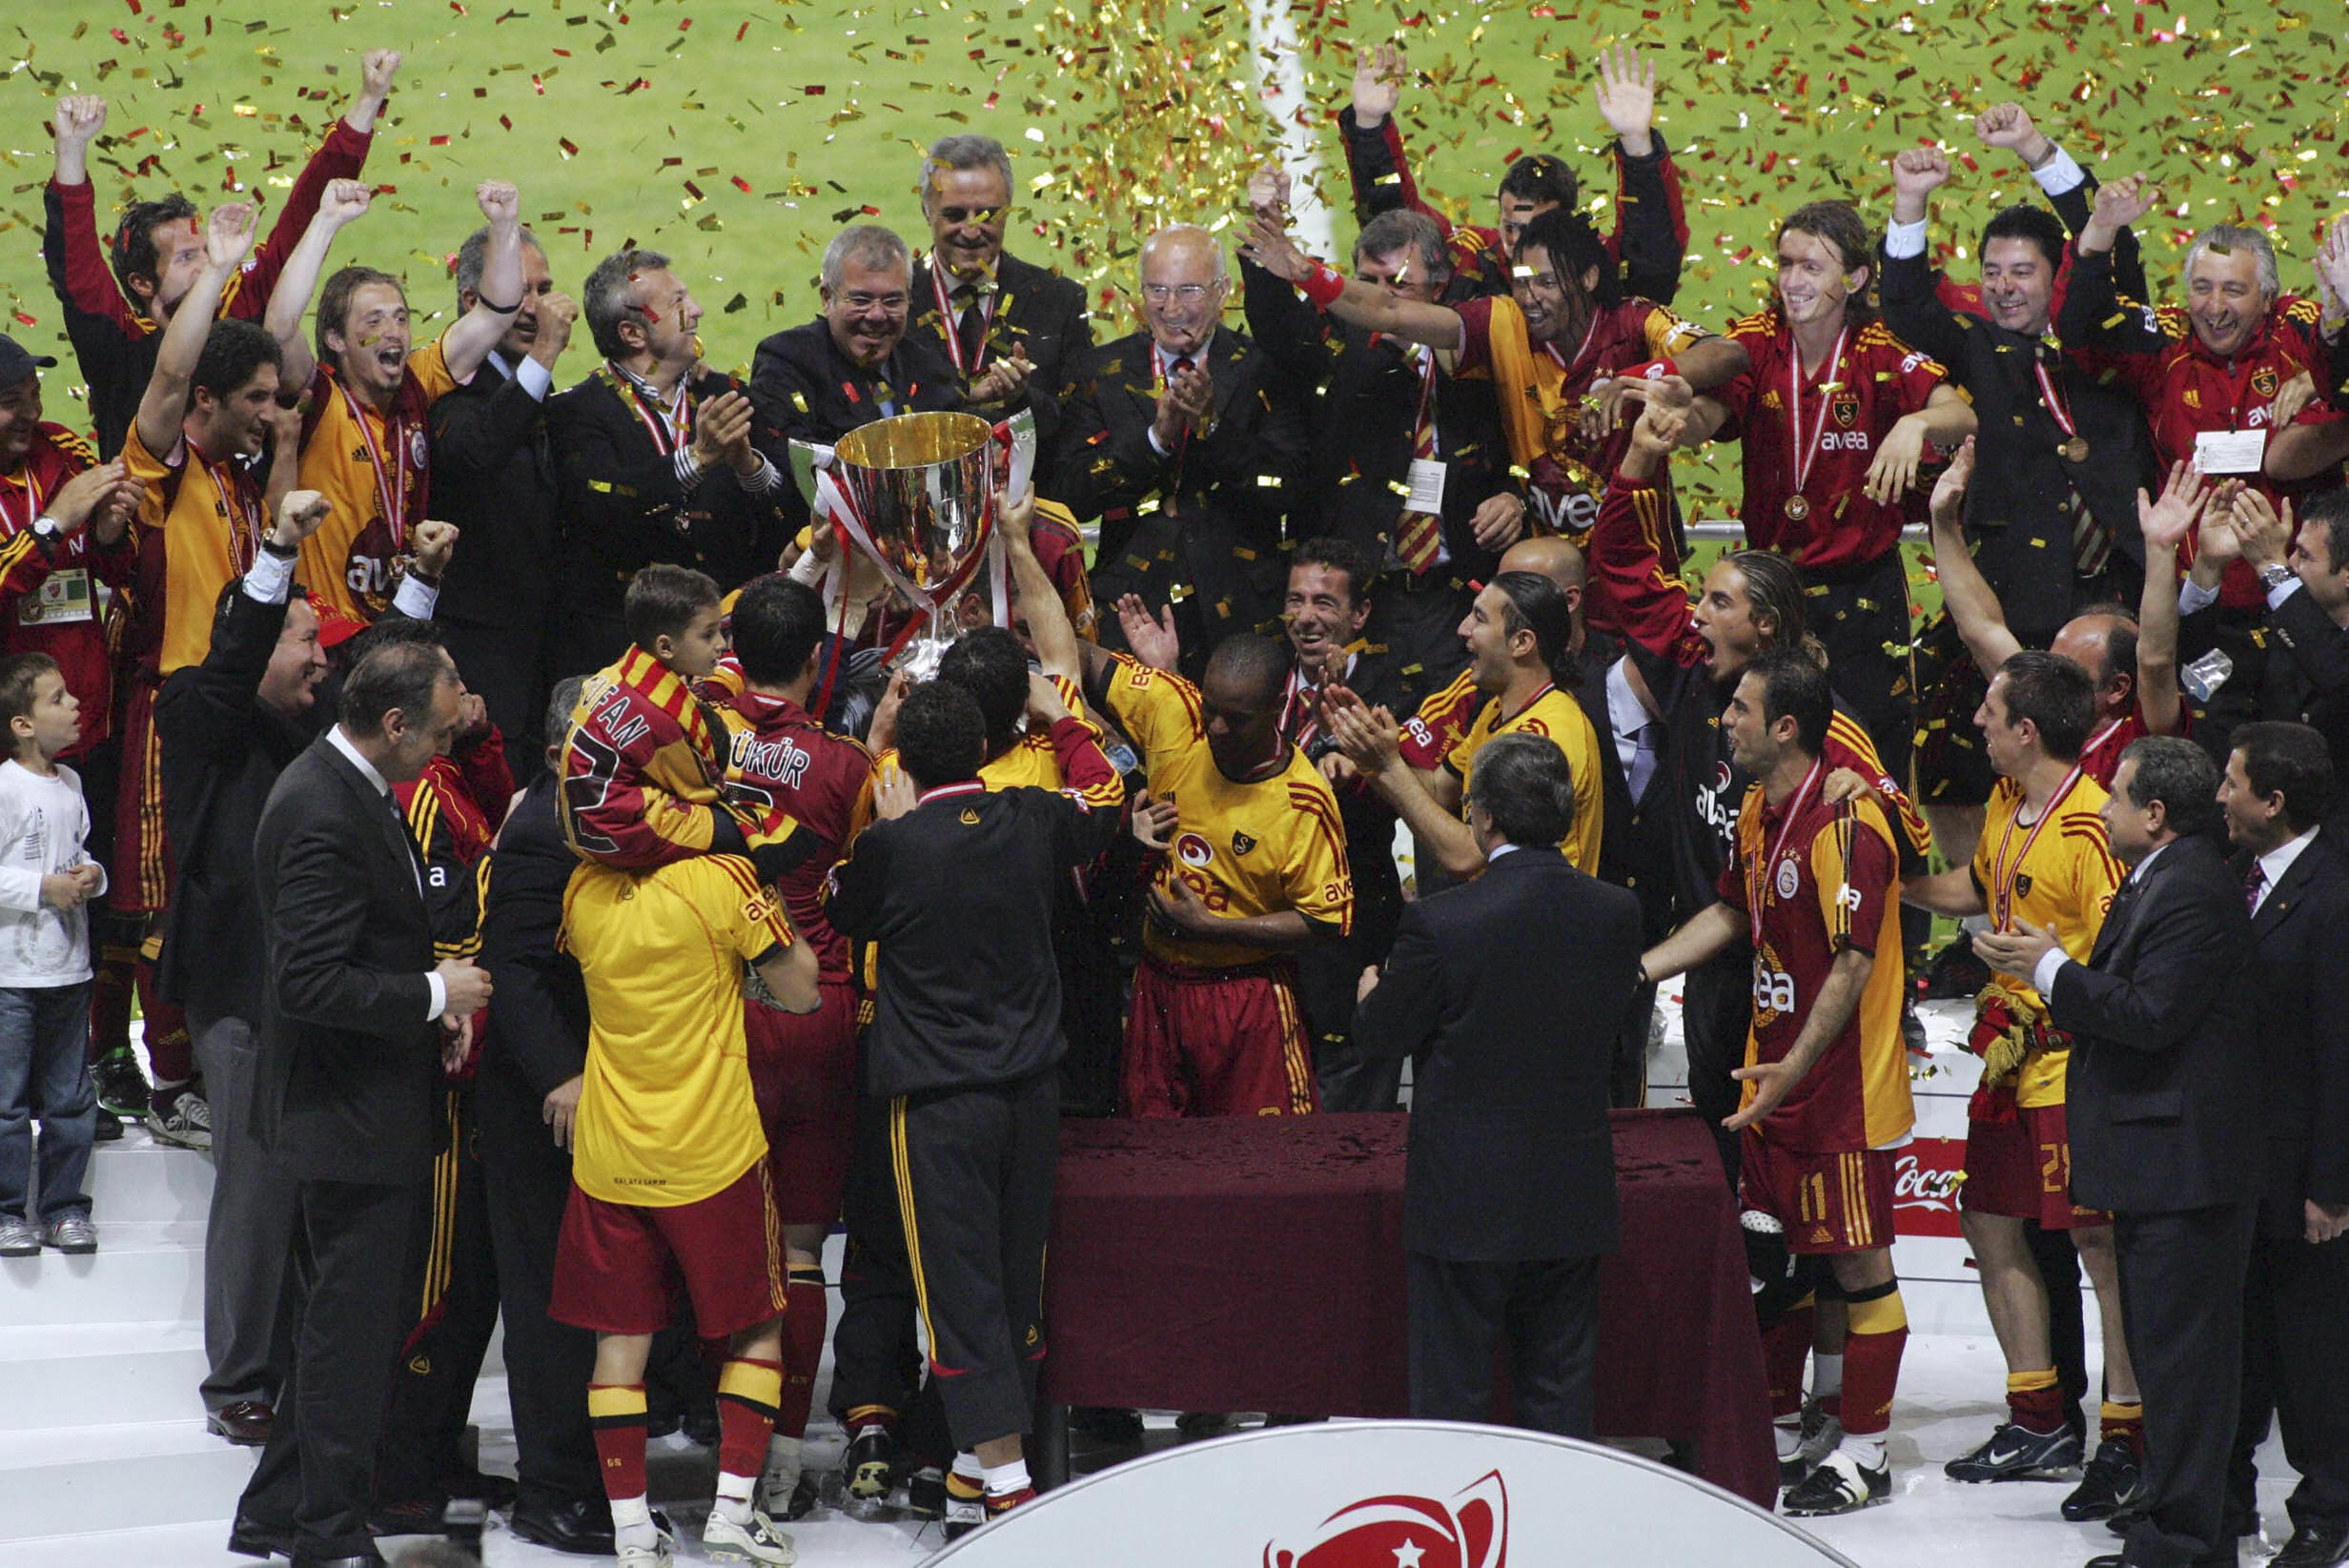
(780, 755)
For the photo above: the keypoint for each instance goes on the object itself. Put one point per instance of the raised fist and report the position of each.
(80, 117)
(500, 202)
(345, 199)
(375, 68)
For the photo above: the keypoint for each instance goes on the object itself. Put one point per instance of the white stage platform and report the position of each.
(104, 1461)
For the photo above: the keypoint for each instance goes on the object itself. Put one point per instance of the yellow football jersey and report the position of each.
(2061, 877)
(1557, 715)
(356, 456)
(1245, 849)
(667, 1116)
(1031, 763)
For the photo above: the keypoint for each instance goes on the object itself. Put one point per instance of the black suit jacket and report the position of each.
(494, 477)
(1206, 519)
(2015, 510)
(2300, 990)
(1363, 423)
(2163, 1104)
(538, 1014)
(222, 751)
(1635, 848)
(349, 1059)
(1037, 311)
(807, 390)
(2309, 684)
(622, 509)
(1509, 991)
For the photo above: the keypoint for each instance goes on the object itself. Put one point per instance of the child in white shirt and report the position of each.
(46, 878)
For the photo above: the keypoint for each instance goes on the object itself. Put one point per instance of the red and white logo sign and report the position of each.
(1194, 851)
(1470, 1530)
(1925, 1176)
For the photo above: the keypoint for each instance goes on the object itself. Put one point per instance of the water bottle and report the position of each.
(2206, 675)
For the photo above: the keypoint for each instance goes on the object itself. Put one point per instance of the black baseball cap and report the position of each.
(17, 361)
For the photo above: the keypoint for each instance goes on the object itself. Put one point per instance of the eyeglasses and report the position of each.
(1189, 294)
(892, 303)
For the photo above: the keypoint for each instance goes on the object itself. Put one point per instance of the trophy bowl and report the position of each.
(921, 484)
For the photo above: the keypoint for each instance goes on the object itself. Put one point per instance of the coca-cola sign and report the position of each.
(1925, 1175)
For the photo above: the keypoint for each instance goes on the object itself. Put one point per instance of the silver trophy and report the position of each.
(920, 488)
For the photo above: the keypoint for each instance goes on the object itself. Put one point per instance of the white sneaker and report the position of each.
(758, 1541)
(660, 1554)
(187, 1124)
(781, 1477)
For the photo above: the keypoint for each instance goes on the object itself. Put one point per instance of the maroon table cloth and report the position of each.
(1247, 1263)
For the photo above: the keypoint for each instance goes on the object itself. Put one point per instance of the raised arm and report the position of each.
(1630, 592)
(226, 240)
(1651, 226)
(1965, 592)
(376, 68)
(2093, 313)
(2166, 524)
(345, 201)
(1911, 305)
(468, 343)
(1270, 247)
(1039, 600)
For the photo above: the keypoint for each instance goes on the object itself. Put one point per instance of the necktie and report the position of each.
(407, 839)
(1418, 536)
(2255, 883)
(2089, 547)
(970, 327)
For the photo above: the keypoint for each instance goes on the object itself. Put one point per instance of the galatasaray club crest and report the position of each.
(2022, 885)
(1470, 1531)
(1194, 850)
(2263, 381)
(1847, 411)
(1790, 879)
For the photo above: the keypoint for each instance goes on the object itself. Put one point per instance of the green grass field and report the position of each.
(738, 137)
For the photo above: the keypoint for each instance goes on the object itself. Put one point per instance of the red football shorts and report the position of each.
(617, 1265)
(1217, 1043)
(2022, 1169)
(803, 1073)
(1829, 1203)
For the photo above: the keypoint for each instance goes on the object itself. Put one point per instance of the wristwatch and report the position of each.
(47, 532)
(2274, 575)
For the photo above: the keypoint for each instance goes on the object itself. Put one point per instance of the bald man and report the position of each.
(1188, 447)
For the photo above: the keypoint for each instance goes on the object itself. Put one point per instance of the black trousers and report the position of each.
(451, 1299)
(2067, 1317)
(549, 1365)
(2181, 1299)
(2296, 1307)
(875, 1357)
(1717, 1005)
(1861, 616)
(1327, 974)
(351, 1243)
(974, 1167)
(1545, 1310)
(1627, 1076)
(510, 665)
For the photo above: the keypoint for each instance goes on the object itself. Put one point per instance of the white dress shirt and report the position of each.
(341, 742)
